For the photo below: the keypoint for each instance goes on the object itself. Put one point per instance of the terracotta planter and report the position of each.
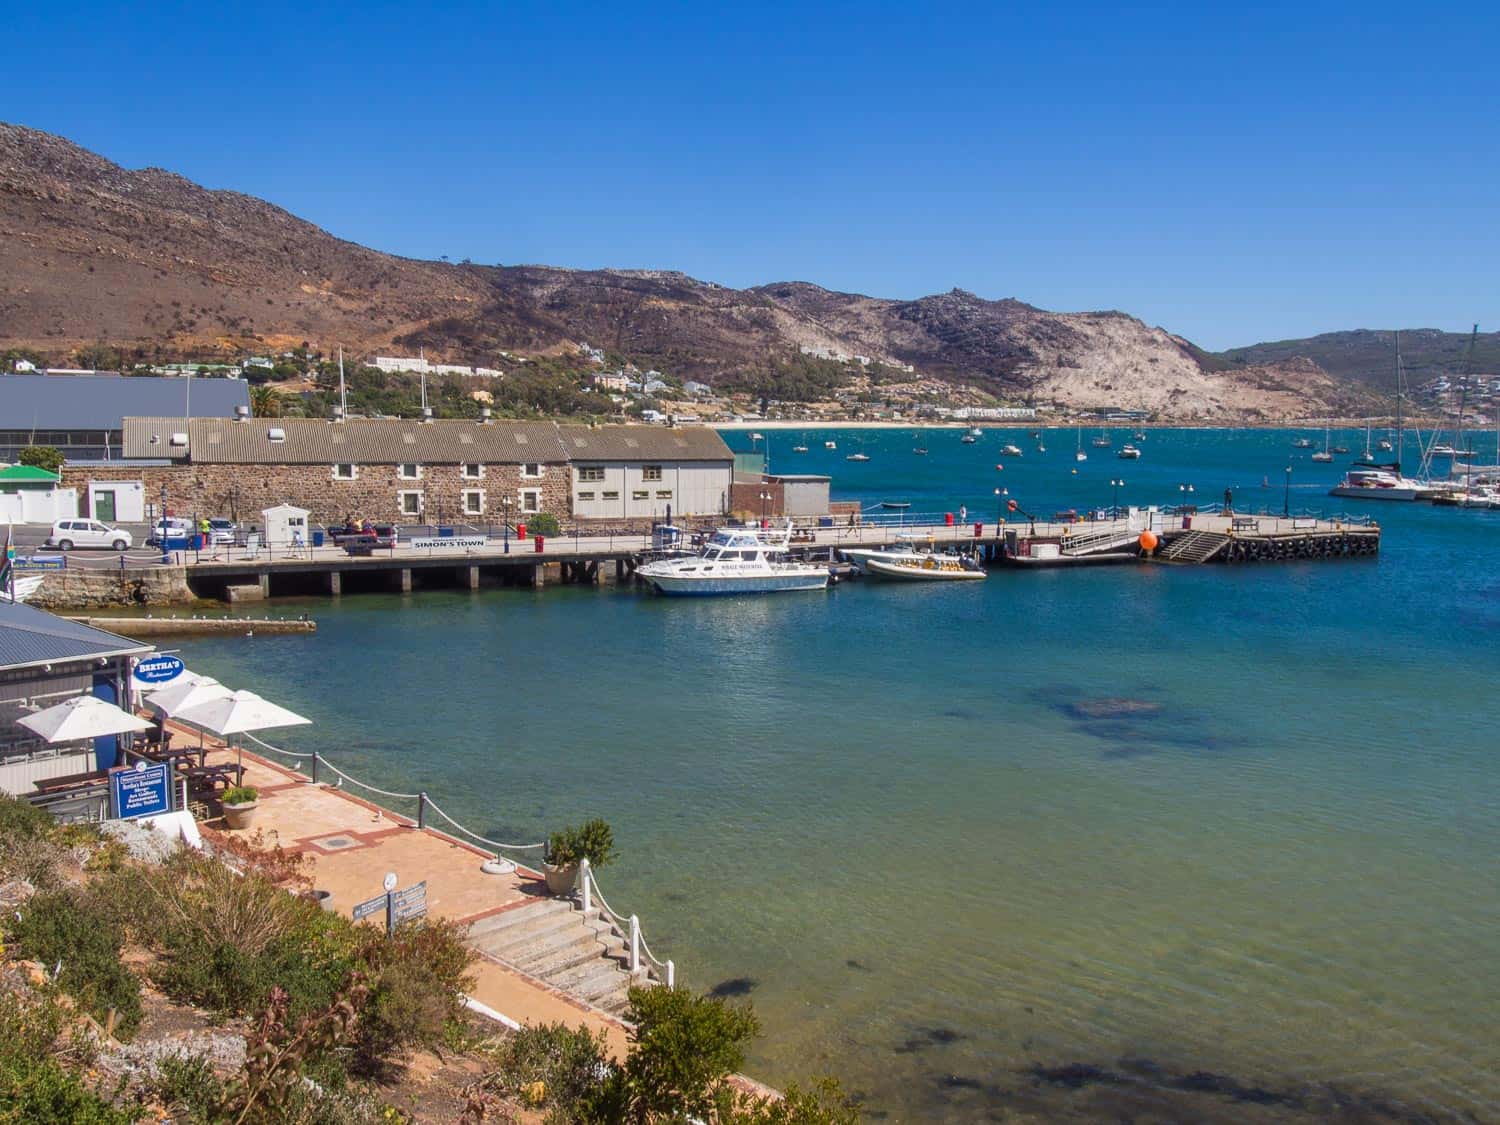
(560, 880)
(240, 816)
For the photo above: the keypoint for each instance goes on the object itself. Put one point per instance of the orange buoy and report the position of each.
(1148, 541)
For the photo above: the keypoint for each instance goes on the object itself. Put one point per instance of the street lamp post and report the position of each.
(505, 506)
(764, 498)
(1114, 504)
(1286, 498)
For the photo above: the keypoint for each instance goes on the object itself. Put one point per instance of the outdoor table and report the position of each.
(174, 757)
(213, 775)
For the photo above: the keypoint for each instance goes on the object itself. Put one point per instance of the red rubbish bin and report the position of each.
(520, 531)
(948, 518)
(978, 529)
(765, 524)
(541, 541)
(1187, 523)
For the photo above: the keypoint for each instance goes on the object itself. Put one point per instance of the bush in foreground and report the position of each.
(58, 929)
(34, 1086)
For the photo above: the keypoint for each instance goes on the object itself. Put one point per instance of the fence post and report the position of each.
(585, 875)
(422, 809)
(671, 974)
(635, 944)
(315, 768)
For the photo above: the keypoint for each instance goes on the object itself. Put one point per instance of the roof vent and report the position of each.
(242, 413)
(426, 414)
(484, 415)
(276, 433)
(179, 439)
(338, 413)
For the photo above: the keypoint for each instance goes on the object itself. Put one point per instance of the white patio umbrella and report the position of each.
(240, 712)
(182, 696)
(80, 718)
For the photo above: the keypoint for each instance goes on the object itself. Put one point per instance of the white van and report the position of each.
(67, 534)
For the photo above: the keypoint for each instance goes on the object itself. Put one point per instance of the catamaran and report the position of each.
(1371, 480)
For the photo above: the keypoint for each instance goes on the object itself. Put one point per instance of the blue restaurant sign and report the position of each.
(158, 669)
(142, 790)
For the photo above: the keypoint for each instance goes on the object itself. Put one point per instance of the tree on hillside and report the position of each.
(264, 402)
(100, 357)
(42, 457)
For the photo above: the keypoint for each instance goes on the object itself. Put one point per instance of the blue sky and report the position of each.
(1233, 175)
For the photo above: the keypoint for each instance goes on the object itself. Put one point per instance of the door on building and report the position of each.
(107, 748)
(104, 506)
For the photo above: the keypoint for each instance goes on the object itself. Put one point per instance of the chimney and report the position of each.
(242, 414)
(426, 414)
(338, 413)
(484, 415)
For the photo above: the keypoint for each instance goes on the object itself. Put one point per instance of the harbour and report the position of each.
(1163, 827)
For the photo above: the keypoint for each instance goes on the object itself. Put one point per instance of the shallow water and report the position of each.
(1209, 843)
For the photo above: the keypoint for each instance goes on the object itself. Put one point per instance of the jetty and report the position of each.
(190, 626)
(1199, 536)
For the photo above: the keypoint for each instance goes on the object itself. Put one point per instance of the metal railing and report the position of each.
(590, 898)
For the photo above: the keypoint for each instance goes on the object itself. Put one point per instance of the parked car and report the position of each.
(67, 534)
(169, 527)
(357, 542)
(221, 531)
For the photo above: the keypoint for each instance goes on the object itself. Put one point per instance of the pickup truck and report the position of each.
(361, 542)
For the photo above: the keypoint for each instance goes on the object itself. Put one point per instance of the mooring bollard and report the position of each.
(422, 809)
(635, 944)
(671, 975)
(585, 876)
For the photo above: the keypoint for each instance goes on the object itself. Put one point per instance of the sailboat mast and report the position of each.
(1400, 424)
(343, 392)
(1463, 400)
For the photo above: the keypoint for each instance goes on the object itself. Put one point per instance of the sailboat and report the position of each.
(1102, 441)
(801, 446)
(1041, 442)
(1372, 480)
(921, 447)
(1080, 455)
(1325, 454)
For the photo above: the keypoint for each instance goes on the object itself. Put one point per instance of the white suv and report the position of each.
(67, 534)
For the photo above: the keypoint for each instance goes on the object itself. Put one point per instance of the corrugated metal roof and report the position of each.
(102, 402)
(638, 443)
(310, 441)
(31, 636)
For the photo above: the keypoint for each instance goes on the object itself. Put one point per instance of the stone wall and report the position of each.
(78, 588)
(241, 492)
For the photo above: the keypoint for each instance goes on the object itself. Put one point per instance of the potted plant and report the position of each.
(240, 803)
(592, 840)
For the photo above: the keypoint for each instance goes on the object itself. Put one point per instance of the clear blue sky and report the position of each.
(1232, 172)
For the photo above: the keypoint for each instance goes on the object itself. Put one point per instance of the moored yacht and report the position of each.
(1375, 482)
(1128, 452)
(736, 561)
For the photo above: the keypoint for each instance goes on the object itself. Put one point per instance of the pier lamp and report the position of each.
(1286, 498)
(1114, 506)
(764, 498)
(505, 504)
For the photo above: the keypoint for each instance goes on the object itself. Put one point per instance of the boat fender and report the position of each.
(929, 564)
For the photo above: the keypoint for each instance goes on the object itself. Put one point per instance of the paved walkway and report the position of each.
(354, 843)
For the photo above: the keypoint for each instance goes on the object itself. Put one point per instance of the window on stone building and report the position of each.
(531, 500)
(345, 472)
(651, 472)
(472, 472)
(410, 503)
(473, 502)
(409, 472)
(532, 471)
(591, 472)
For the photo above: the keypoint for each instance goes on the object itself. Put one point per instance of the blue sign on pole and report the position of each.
(143, 790)
(158, 669)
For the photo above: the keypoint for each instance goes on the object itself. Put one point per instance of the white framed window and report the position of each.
(651, 472)
(531, 471)
(345, 472)
(409, 502)
(610, 495)
(593, 473)
(473, 501)
(471, 472)
(586, 495)
(641, 494)
(664, 494)
(409, 472)
(531, 500)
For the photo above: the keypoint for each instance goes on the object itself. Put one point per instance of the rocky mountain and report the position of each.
(1368, 357)
(159, 266)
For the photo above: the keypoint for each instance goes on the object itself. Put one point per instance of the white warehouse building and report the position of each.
(642, 472)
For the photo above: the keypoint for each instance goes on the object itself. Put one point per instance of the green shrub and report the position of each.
(34, 1087)
(593, 840)
(47, 457)
(58, 928)
(543, 523)
(240, 795)
(417, 978)
(23, 819)
(568, 1062)
(186, 1085)
(682, 1049)
(824, 1103)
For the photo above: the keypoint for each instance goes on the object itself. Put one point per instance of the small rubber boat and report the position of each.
(830, 445)
(930, 568)
(799, 449)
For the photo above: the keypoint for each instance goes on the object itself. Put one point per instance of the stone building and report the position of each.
(420, 472)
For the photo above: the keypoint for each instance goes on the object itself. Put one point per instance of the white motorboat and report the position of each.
(799, 449)
(1385, 445)
(857, 457)
(1128, 452)
(1381, 484)
(968, 439)
(975, 431)
(916, 547)
(1322, 456)
(25, 586)
(931, 568)
(1080, 455)
(736, 561)
(830, 445)
(1010, 451)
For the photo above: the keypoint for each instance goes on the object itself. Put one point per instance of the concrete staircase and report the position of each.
(554, 941)
(1194, 547)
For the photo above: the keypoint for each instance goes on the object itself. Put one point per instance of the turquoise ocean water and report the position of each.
(919, 829)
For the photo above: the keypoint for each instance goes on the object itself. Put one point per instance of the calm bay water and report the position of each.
(919, 829)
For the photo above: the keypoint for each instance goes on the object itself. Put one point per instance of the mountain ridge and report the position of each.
(154, 263)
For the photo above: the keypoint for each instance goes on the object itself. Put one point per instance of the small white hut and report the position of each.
(285, 526)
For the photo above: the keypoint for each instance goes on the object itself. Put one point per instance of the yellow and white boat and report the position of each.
(929, 568)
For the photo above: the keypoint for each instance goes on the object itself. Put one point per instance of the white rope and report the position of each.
(277, 749)
(431, 804)
(362, 785)
(622, 922)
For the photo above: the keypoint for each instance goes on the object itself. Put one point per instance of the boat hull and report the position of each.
(679, 586)
(1375, 493)
(900, 573)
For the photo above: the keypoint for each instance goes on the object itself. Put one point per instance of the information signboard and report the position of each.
(141, 790)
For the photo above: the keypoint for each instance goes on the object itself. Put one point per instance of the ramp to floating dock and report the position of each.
(1195, 547)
